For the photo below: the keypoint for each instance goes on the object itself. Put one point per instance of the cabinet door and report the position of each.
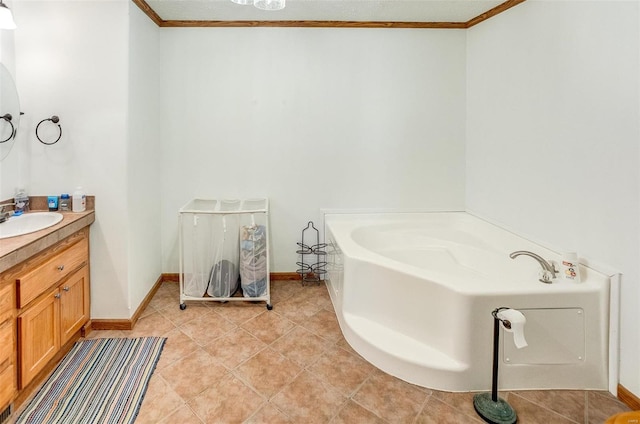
(39, 336)
(7, 352)
(7, 385)
(74, 304)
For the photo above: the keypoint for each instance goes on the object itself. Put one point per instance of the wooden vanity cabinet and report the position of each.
(53, 303)
(7, 345)
(52, 321)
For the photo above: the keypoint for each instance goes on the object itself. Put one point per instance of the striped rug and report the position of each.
(98, 381)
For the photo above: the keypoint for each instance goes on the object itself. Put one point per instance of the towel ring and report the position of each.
(55, 119)
(7, 117)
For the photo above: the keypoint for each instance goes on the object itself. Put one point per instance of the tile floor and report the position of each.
(236, 362)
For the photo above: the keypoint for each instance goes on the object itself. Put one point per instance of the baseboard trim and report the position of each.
(628, 398)
(128, 324)
(173, 277)
(284, 276)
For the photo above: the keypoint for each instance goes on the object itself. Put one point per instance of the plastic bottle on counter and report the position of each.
(569, 268)
(21, 200)
(65, 202)
(79, 200)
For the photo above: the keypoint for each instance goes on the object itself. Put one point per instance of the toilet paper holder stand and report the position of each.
(505, 322)
(490, 407)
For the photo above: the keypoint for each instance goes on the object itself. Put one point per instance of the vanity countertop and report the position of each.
(14, 250)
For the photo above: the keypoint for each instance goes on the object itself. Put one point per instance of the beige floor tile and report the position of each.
(182, 415)
(239, 312)
(390, 398)
(342, 370)
(148, 310)
(180, 316)
(268, 326)
(230, 401)
(234, 347)
(297, 308)
(160, 400)
(602, 406)
(205, 329)
(165, 298)
(267, 372)
(324, 324)
(352, 413)
(318, 295)
(281, 290)
(568, 403)
(269, 414)
(171, 287)
(177, 346)
(531, 413)
(193, 374)
(152, 325)
(301, 346)
(344, 344)
(460, 401)
(438, 412)
(309, 400)
(237, 362)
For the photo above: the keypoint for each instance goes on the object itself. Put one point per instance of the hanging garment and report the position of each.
(253, 260)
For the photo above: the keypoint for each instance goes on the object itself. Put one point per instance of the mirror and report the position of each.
(9, 112)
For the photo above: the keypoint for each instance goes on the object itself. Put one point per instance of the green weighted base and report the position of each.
(499, 412)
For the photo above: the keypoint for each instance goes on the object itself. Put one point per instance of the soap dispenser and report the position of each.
(78, 201)
(569, 267)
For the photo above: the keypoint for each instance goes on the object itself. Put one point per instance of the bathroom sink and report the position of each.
(28, 223)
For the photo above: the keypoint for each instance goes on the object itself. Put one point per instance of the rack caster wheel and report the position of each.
(269, 306)
(183, 306)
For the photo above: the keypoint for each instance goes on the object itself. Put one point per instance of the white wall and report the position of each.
(553, 136)
(311, 118)
(71, 61)
(9, 168)
(143, 157)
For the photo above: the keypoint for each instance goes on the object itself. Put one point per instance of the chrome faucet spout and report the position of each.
(5, 215)
(548, 270)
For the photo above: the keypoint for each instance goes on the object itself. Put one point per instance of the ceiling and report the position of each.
(355, 13)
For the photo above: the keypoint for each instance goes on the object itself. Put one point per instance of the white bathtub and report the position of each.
(414, 292)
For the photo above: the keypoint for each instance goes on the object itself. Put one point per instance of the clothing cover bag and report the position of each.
(253, 260)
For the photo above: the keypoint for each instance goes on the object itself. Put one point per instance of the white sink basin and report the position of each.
(28, 223)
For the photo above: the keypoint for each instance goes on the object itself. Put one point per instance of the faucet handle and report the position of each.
(545, 276)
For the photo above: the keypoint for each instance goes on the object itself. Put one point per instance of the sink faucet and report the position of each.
(5, 215)
(548, 272)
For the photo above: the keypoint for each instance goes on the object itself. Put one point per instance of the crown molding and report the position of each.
(144, 6)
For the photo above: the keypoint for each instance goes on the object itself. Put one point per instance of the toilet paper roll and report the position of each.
(517, 320)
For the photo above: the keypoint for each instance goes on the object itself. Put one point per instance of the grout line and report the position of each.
(543, 407)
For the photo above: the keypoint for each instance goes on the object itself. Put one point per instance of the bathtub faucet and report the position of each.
(548, 272)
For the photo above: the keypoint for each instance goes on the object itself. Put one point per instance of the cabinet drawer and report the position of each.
(6, 338)
(36, 281)
(6, 299)
(7, 384)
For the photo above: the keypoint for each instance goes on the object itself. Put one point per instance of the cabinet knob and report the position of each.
(57, 295)
(60, 267)
(65, 288)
